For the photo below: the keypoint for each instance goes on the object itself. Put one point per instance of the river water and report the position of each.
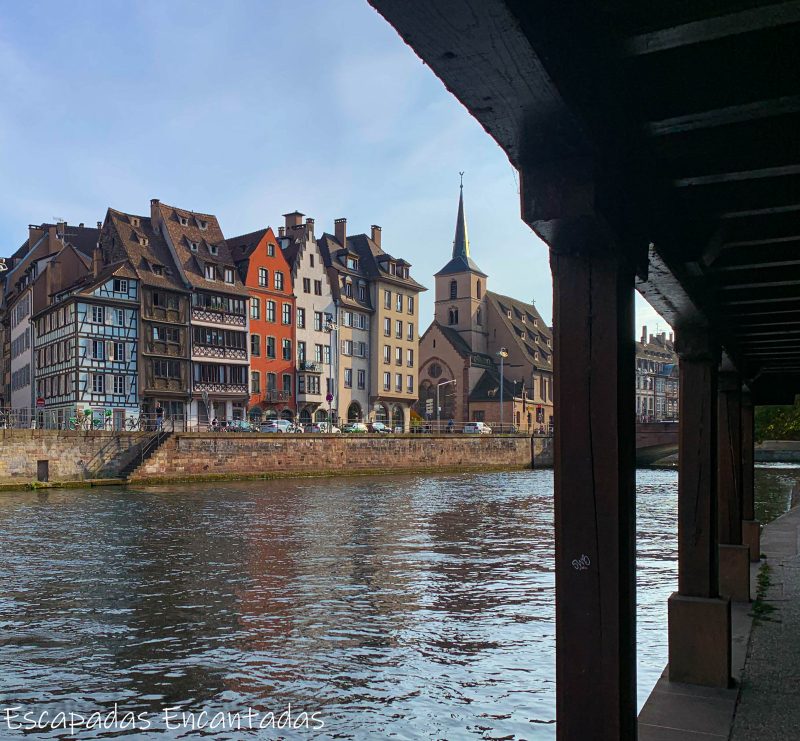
(404, 607)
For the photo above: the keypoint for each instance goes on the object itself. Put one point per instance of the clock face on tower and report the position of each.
(435, 370)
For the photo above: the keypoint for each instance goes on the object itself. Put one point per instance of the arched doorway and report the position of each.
(287, 414)
(255, 414)
(354, 412)
(398, 419)
(321, 415)
(270, 414)
(381, 413)
(305, 416)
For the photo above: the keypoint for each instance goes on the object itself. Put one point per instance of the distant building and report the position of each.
(656, 378)
(470, 327)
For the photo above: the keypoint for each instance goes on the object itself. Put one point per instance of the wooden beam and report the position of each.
(742, 175)
(710, 29)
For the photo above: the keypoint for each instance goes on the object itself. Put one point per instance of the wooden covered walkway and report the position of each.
(658, 146)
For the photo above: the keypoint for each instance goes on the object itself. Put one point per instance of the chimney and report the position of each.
(671, 337)
(340, 231)
(293, 219)
(644, 334)
(99, 224)
(97, 260)
(80, 226)
(155, 214)
(376, 234)
(281, 231)
(61, 228)
(310, 227)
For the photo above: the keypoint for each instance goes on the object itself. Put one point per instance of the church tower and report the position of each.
(461, 289)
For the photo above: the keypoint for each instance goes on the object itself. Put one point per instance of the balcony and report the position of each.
(271, 396)
(215, 351)
(221, 388)
(218, 317)
(307, 365)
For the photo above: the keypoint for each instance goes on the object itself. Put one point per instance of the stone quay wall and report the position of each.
(27, 456)
(198, 456)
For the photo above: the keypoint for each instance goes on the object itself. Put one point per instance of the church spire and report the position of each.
(461, 242)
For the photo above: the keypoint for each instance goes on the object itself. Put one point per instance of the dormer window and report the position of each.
(352, 263)
(509, 313)
(193, 246)
(202, 224)
(348, 289)
(134, 220)
(144, 241)
(211, 272)
(524, 319)
(392, 268)
(213, 249)
(158, 269)
(270, 250)
(229, 275)
(184, 220)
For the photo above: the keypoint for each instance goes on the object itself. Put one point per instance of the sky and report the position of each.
(248, 110)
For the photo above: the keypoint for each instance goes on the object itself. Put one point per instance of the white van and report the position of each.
(477, 428)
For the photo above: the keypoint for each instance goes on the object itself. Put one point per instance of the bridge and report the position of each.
(655, 440)
(658, 147)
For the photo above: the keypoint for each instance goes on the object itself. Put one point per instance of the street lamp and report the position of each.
(502, 353)
(438, 408)
(330, 328)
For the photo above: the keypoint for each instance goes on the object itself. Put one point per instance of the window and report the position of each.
(453, 289)
(270, 250)
(387, 354)
(398, 382)
(301, 351)
(410, 304)
(326, 354)
(398, 329)
(270, 311)
(410, 358)
(398, 356)
(317, 353)
(119, 317)
(278, 280)
(119, 384)
(228, 275)
(213, 249)
(387, 299)
(211, 272)
(479, 318)
(134, 220)
(399, 302)
(193, 246)
(347, 347)
(286, 315)
(157, 269)
(98, 350)
(98, 315)
(352, 263)
(318, 321)
(202, 224)
(286, 380)
(362, 293)
(348, 378)
(301, 317)
(348, 289)
(272, 381)
(165, 300)
(301, 384)
(317, 287)
(313, 384)
(286, 348)
(263, 277)
(410, 332)
(387, 327)
(387, 381)
(478, 289)
(255, 308)
(98, 383)
(306, 285)
(255, 345)
(347, 318)
(453, 316)
(311, 260)
(410, 384)
(119, 352)
(255, 382)
(120, 285)
(362, 379)
(166, 369)
(361, 349)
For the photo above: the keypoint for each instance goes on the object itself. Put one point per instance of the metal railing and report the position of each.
(88, 419)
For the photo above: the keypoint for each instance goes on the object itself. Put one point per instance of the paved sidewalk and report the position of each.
(769, 700)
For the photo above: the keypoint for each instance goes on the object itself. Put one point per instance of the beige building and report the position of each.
(460, 351)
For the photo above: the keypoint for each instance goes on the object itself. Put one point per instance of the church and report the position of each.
(474, 332)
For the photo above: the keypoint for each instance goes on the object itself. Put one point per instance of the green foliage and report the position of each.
(778, 422)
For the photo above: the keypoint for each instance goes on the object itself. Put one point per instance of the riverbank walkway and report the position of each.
(765, 663)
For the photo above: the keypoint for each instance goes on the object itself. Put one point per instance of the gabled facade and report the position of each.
(657, 378)
(315, 309)
(267, 277)
(163, 365)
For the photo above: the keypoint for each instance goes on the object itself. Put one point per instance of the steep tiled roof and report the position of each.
(371, 256)
(203, 230)
(242, 247)
(131, 237)
(331, 252)
(488, 387)
(526, 326)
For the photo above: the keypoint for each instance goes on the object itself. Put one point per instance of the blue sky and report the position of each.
(248, 110)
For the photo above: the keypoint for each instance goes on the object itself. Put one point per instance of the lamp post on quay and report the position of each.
(330, 328)
(502, 353)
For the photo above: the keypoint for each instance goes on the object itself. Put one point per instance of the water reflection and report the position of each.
(405, 606)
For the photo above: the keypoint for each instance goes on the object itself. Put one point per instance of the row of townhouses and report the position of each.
(657, 378)
(166, 310)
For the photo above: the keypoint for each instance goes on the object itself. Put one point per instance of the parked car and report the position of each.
(239, 425)
(378, 427)
(277, 425)
(322, 427)
(354, 427)
(477, 428)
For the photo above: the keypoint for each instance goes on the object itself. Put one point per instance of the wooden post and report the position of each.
(751, 528)
(734, 569)
(699, 621)
(594, 488)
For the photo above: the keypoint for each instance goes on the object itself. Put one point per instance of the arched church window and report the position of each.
(453, 290)
(479, 318)
(478, 290)
(453, 317)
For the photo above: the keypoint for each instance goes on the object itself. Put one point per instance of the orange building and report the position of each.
(268, 279)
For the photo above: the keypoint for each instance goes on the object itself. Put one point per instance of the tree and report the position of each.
(778, 422)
